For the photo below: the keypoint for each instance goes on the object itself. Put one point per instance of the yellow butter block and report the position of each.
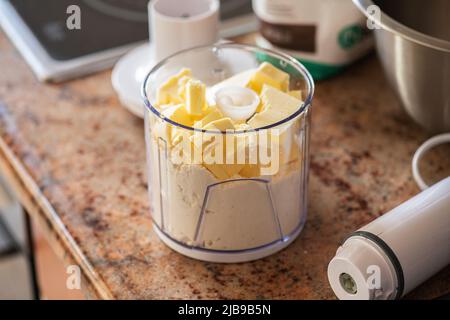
(247, 154)
(233, 169)
(264, 119)
(168, 92)
(221, 169)
(178, 114)
(277, 106)
(267, 74)
(254, 170)
(182, 82)
(217, 170)
(276, 74)
(282, 140)
(258, 80)
(207, 149)
(250, 171)
(233, 162)
(195, 95)
(212, 114)
(220, 125)
(279, 101)
(168, 133)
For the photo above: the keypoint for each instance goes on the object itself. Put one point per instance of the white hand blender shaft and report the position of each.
(418, 232)
(410, 244)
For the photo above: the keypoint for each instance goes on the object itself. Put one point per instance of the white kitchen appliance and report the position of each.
(392, 255)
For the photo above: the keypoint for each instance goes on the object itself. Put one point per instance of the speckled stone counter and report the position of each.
(80, 158)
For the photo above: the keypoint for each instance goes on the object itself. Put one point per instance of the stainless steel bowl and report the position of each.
(414, 46)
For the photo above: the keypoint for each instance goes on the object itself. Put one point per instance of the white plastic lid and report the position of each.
(238, 103)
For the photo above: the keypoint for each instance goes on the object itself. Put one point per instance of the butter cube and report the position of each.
(182, 82)
(264, 119)
(252, 167)
(233, 169)
(195, 95)
(250, 171)
(267, 74)
(277, 106)
(221, 169)
(220, 125)
(217, 170)
(178, 114)
(212, 114)
(168, 92)
(201, 140)
(206, 148)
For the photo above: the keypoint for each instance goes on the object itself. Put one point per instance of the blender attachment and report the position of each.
(392, 255)
(199, 20)
(230, 211)
(178, 25)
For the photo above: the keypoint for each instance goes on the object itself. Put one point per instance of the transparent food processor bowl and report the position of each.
(260, 207)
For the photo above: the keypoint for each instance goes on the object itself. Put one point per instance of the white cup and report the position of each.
(182, 24)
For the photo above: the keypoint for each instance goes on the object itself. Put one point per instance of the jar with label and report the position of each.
(326, 36)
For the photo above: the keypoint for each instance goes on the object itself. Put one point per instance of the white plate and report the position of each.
(129, 74)
(130, 71)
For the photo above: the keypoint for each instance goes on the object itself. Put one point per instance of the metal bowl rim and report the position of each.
(392, 25)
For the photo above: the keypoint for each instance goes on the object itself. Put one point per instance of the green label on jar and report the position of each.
(351, 36)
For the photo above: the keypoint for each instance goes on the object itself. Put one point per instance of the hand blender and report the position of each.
(395, 253)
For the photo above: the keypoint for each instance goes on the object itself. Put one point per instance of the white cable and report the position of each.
(425, 147)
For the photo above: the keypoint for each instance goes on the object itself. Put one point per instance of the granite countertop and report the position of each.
(82, 157)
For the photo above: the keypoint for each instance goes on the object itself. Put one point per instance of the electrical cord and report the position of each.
(424, 148)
